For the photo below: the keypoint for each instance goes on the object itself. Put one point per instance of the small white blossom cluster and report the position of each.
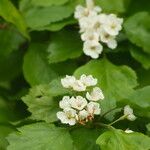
(128, 112)
(78, 109)
(97, 27)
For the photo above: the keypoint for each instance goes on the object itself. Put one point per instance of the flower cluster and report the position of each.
(97, 27)
(79, 109)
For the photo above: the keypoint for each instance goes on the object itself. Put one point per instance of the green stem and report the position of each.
(119, 119)
(104, 125)
(108, 112)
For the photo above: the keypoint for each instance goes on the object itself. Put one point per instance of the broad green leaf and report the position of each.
(5, 130)
(40, 136)
(10, 40)
(85, 139)
(36, 68)
(48, 2)
(10, 66)
(119, 140)
(56, 26)
(5, 111)
(65, 45)
(117, 6)
(37, 17)
(116, 81)
(143, 77)
(140, 101)
(138, 30)
(41, 103)
(11, 14)
(141, 56)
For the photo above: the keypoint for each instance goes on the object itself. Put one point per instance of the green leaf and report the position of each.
(119, 140)
(116, 81)
(139, 100)
(138, 30)
(65, 45)
(114, 6)
(11, 14)
(56, 89)
(10, 66)
(141, 56)
(5, 130)
(84, 139)
(10, 40)
(56, 26)
(37, 17)
(40, 136)
(48, 2)
(36, 68)
(41, 103)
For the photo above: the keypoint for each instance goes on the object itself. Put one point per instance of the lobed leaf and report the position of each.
(119, 140)
(51, 137)
(64, 45)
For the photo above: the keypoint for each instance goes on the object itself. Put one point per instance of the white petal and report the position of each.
(78, 86)
(95, 95)
(78, 103)
(68, 81)
(88, 80)
(65, 102)
(131, 117)
(83, 114)
(94, 108)
(112, 44)
(128, 131)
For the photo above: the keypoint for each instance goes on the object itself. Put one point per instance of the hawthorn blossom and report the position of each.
(128, 111)
(93, 108)
(113, 25)
(68, 81)
(83, 114)
(96, 28)
(95, 95)
(65, 102)
(79, 108)
(78, 103)
(68, 116)
(78, 86)
(92, 49)
(88, 80)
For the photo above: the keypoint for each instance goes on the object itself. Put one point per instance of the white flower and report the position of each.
(108, 39)
(93, 108)
(128, 111)
(90, 35)
(78, 86)
(98, 22)
(113, 24)
(65, 102)
(95, 95)
(68, 116)
(88, 80)
(83, 114)
(128, 131)
(68, 81)
(78, 103)
(92, 49)
(85, 23)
